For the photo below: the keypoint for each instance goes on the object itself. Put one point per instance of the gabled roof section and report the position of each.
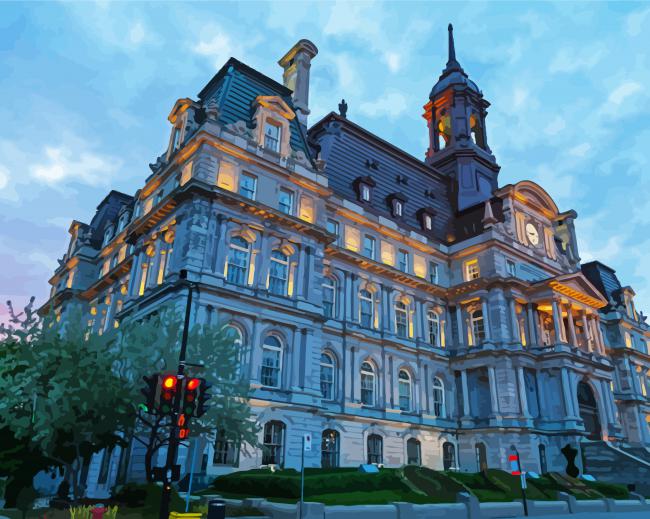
(576, 286)
(351, 152)
(234, 89)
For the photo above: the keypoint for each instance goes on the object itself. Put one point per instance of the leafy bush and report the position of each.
(612, 490)
(133, 495)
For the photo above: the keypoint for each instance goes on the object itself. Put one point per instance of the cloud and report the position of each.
(555, 126)
(137, 34)
(566, 60)
(4, 177)
(391, 105)
(393, 60)
(623, 91)
(580, 150)
(63, 164)
(218, 45)
(635, 21)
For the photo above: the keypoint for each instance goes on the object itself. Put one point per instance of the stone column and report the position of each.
(346, 297)
(532, 324)
(587, 331)
(419, 319)
(566, 391)
(494, 398)
(486, 319)
(604, 387)
(599, 334)
(301, 274)
(134, 279)
(523, 397)
(463, 379)
(352, 376)
(541, 395)
(514, 329)
(572, 329)
(255, 355)
(354, 297)
(557, 321)
(459, 323)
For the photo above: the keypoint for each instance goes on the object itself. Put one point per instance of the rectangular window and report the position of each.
(433, 273)
(143, 278)
(403, 261)
(329, 294)
(472, 270)
(247, 186)
(369, 247)
(161, 267)
(176, 141)
(510, 268)
(286, 201)
(333, 228)
(225, 451)
(365, 193)
(272, 137)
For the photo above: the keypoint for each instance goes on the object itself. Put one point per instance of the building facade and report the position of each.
(399, 310)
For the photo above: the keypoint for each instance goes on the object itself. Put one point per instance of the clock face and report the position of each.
(531, 232)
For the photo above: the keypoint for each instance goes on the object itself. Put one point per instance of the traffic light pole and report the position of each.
(172, 448)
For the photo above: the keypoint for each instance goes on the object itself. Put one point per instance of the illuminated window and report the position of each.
(70, 279)
(238, 261)
(327, 370)
(143, 278)
(368, 384)
(272, 134)
(271, 361)
(628, 340)
(273, 445)
(397, 208)
(478, 326)
(438, 398)
(404, 390)
(369, 247)
(403, 260)
(433, 325)
(401, 320)
(247, 186)
(286, 201)
(366, 309)
(472, 270)
(427, 222)
(329, 297)
(329, 449)
(278, 273)
(148, 204)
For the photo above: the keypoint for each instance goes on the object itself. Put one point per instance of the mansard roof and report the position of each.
(234, 89)
(351, 152)
(604, 279)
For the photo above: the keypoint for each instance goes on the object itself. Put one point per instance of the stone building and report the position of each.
(399, 310)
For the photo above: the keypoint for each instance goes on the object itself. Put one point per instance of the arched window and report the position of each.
(438, 398)
(271, 361)
(273, 446)
(329, 449)
(404, 386)
(433, 325)
(238, 260)
(401, 319)
(329, 298)
(413, 452)
(448, 456)
(478, 326)
(327, 370)
(368, 382)
(235, 334)
(121, 223)
(108, 234)
(279, 273)
(366, 309)
(375, 449)
(481, 457)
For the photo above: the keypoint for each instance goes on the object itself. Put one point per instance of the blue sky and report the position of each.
(87, 88)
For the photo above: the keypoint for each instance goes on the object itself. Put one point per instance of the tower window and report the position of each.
(472, 270)
(272, 134)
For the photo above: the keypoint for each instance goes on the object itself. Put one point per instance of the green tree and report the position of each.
(152, 345)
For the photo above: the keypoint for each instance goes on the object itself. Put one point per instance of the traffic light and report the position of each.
(167, 393)
(150, 392)
(191, 387)
(183, 427)
(203, 397)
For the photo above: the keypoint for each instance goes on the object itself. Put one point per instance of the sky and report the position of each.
(88, 86)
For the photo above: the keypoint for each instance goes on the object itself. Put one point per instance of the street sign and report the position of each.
(307, 442)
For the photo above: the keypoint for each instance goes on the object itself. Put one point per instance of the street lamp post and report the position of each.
(172, 449)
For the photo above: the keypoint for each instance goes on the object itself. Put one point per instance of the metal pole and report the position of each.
(189, 487)
(523, 483)
(172, 449)
(302, 475)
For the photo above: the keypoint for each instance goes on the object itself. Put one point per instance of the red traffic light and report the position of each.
(193, 383)
(183, 433)
(169, 382)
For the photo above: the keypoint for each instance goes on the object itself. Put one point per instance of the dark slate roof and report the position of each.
(107, 212)
(235, 88)
(603, 278)
(351, 152)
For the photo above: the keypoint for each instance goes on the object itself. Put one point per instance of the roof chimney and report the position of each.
(296, 64)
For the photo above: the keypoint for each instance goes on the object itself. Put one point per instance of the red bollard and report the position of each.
(98, 512)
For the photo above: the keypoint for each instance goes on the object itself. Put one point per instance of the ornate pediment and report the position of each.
(277, 105)
(578, 287)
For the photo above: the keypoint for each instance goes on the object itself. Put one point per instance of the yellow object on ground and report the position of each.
(183, 515)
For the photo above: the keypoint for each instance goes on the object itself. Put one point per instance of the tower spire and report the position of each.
(451, 62)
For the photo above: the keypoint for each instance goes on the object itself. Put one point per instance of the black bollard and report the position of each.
(216, 509)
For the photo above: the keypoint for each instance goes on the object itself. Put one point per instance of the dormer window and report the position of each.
(427, 222)
(396, 203)
(272, 134)
(363, 186)
(121, 223)
(176, 139)
(425, 217)
(108, 234)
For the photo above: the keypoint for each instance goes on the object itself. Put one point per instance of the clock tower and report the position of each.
(458, 145)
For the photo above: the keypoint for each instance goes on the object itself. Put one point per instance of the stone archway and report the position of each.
(589, 411)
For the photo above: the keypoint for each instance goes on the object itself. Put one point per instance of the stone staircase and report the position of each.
(613, 464)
